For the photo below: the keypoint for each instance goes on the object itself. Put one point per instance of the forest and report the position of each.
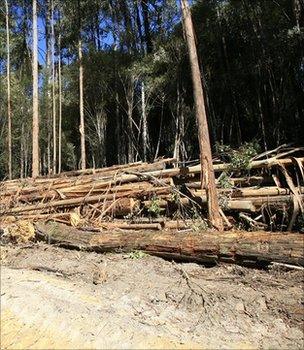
(152, 174)
(114, 80)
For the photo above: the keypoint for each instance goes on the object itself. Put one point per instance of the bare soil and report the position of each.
(52, 298)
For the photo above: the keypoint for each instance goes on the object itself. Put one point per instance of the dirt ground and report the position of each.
(52, 298)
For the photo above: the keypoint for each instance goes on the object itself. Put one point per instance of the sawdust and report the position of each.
(19, 232)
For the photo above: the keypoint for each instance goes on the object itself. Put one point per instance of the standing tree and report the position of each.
(9, 117)
(53, 91)
(35, 150)
(81, 106)
(60, 100)
(207, 171)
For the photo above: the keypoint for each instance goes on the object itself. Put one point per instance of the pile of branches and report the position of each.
(265, 193)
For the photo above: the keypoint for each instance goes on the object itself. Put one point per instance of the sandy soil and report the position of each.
(52, 298)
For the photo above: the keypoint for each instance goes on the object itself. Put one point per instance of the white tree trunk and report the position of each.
(81, 107)
(144, 121)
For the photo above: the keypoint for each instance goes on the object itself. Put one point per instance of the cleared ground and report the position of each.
(52, 298)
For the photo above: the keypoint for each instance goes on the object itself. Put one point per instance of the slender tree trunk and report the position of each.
(207, 172)
(35, 145)
(138, 24)
(81, 107)
(54, 93)
(48, 117)
(22, 152)
(145, 15)
(8, 77)
(60, 105)
(144, 121)
(48, 67)
(81, 103)
(130, 104)
(160, 127)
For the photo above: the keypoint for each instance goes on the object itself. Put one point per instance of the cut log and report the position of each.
(166, 202)
(255, 249)
(251, 192)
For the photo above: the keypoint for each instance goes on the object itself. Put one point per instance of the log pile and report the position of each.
(161, 195)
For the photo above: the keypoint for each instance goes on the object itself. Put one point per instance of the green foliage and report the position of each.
(252, 64)
(224, 181)
(137, 254)
(239, 158)
(154, 208)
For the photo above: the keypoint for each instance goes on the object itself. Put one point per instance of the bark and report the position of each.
(81, 102)
(145, 15)
(54, 92)
(81, 108)
(49, 82)
(138, 24)
(254, 249)
(60, 105)
(248, 204)
(207, 172)
(144, 122)
(8, 77)
(35, 146)
(130, 106)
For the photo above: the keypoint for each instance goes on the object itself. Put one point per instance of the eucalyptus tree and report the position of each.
(35, 144)
(8, 77)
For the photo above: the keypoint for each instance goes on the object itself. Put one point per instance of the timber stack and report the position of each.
(267, 194)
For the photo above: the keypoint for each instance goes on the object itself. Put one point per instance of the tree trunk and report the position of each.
(54, 92)
(254, 249)
(81, 108)
(49, 82)
(144, 122)
(145, 15)
(81, 102)
(130, 106)
(8, 77)
(60, 105)
(35, 146)
(207, 173)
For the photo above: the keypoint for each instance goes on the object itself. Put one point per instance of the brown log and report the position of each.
(193, 183)
(251, 192)
(16, 187)
(245, 205)
(251, 204)
(258, 248)
(91, 189)
(130, 226)
(103, 175)
(75, 202)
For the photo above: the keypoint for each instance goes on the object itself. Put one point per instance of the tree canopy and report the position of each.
(137, 83)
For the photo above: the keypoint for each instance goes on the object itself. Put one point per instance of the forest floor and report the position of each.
(52, 298)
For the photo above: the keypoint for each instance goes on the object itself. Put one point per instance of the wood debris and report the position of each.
(160, 195)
